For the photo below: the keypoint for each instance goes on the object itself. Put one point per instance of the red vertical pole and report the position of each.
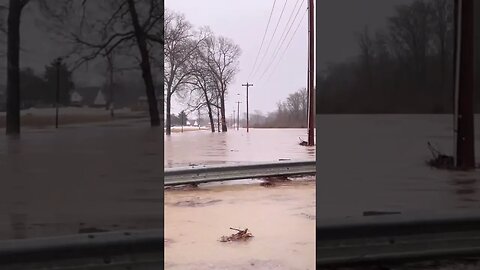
(311, 75)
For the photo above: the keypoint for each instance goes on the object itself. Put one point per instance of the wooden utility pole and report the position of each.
(247, 85)
(465, 151)
(238, 115)
(311, 75)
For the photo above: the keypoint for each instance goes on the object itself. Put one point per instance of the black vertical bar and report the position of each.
(465, 138)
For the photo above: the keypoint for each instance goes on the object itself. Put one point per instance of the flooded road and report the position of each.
(258, 145)
(377, 163)
(81, 178)
(281, 219)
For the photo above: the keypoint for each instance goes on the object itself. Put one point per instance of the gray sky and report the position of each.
(339, 20)
(244, 22)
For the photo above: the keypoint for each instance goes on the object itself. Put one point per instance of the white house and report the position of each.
(75, 98)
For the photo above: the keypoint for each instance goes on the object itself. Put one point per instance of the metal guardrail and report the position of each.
(396, 239)
(111, 250)
(213, 173)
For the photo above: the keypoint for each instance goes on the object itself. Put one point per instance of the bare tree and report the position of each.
(222, 60)
(103, 26)
(202, 86)
(410, 34)
(442, 20)
(180, 47)
(366, 44)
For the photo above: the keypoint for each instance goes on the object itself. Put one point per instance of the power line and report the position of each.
(281, 43)
(286, 25)
(273, 35)
(263, 39)
(288, 44)
(275, 55)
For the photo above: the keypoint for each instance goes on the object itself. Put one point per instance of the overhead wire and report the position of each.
(286, 25)
(263, 39)
(274, 32)
(288, 45)
(281, 42)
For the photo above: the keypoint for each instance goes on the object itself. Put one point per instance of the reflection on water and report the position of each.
(258, 145)
(465, 188)
(281, 218)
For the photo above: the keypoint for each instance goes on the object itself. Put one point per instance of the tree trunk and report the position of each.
(210, 116)
(13, 68)
(210, 113)
(222, 111)
(145, 65)
(168, 117)
(218, 116)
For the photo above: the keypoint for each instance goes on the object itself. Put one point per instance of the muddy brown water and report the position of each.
(281, 219)
(258, 145)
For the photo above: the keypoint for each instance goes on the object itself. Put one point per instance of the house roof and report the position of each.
(88, 94)
(100, 98)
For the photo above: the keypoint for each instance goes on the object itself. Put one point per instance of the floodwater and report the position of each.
(236, 146)
(281, 218)
(377, 163)
(81, 178)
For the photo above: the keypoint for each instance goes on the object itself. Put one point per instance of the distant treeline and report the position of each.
(405, 68)
(291, 113)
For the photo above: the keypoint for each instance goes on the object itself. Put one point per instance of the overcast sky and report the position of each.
(244, 22)
(340, 20)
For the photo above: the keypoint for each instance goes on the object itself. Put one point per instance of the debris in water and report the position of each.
(272, 180)
(440, 160)
(302, 142)
(241, 235)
